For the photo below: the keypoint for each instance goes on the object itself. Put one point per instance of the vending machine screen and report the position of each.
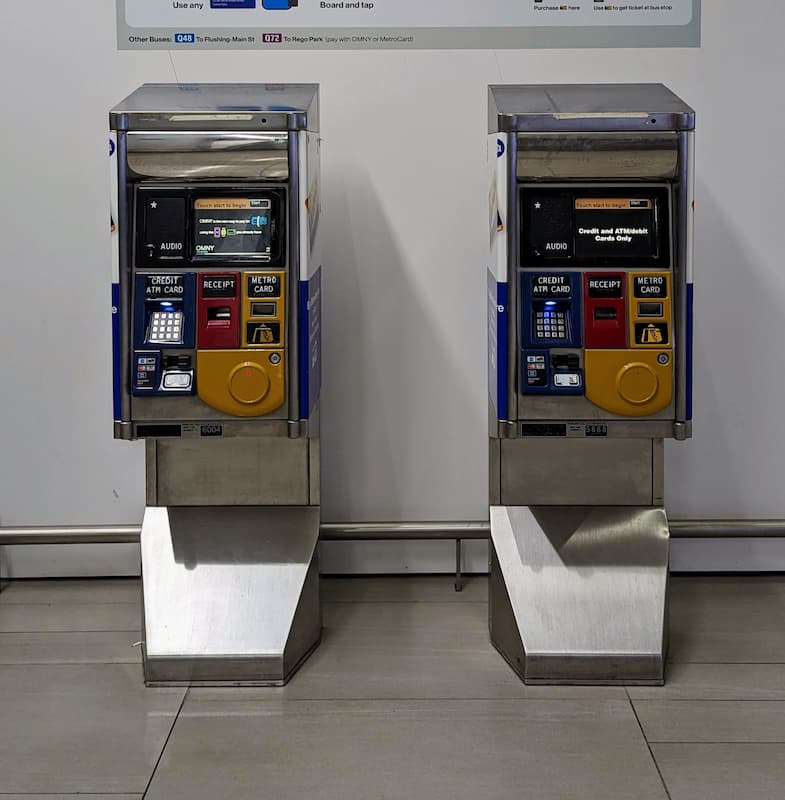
(608, 227)
(603, 226)
(233, 227)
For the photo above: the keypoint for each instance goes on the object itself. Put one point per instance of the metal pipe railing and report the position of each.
(105, 534)
(386, 531)
(402, 531)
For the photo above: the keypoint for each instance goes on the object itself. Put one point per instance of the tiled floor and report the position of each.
(404, 699)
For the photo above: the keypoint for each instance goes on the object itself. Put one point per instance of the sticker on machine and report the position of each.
(551, 286)
(261, 333)
(264, 286)
(653, 333)
(651, 286)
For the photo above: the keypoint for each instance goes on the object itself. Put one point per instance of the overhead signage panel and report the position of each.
(402, 24)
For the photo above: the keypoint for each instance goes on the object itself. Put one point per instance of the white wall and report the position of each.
(404, 160)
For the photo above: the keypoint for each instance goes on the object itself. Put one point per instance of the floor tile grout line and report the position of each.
(648, 745)
(724, 743)
(666, 699)
(166, 742)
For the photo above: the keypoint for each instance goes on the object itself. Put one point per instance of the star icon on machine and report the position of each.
(538, 206)
(153, 204)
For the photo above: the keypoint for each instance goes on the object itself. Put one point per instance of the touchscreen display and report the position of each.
(228, 227)
(602, 226)
(610, 227)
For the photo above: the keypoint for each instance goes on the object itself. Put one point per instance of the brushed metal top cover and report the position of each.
(587, 107)
(219, 106)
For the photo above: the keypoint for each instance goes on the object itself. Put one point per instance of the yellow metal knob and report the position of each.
(637, 383)
(248, 383)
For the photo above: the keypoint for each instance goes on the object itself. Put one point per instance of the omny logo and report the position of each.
(185, 38)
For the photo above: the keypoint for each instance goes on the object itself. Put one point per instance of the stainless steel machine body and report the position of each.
(217, 366)
(590, 291)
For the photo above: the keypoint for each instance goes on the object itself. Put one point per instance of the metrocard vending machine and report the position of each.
(590, 352)
(216, 310)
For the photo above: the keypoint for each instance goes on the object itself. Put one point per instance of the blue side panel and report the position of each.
(117, 383)
(491, 320)
(310, 344)
(690, 348)
(502, 350)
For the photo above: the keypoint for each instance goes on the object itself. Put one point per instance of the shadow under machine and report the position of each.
(590, 349)
(216, 310)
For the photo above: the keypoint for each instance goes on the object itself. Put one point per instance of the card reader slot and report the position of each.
(263, 309)
(650, 309)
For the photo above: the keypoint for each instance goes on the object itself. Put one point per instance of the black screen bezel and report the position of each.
(278, 213)
(659, 193)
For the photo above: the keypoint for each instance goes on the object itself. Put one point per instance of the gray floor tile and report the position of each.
(105, 647)
(39, 617)
(715, 722)
(434, 750)
(349, 672)
(722, 772)
(429, 650)
(95, 590)
(86, 728)
(408, 651)
(408, 624)
(404, 589)
(728, 620)
(717, 682)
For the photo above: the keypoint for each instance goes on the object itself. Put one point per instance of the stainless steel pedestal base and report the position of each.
(579, 595)
(231, 594)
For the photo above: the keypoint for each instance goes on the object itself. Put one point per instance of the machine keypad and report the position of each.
(166, 327)
(551, 325)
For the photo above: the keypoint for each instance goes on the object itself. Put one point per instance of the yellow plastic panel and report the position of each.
(266, 331)
(650, 331)
(631, 383)
(243, 383)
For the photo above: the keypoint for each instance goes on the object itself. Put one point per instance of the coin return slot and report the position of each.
(605, 313)
(262, 309)
(650, 309)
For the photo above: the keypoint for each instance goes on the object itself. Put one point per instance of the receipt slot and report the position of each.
(217, 355)
(590, 358)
